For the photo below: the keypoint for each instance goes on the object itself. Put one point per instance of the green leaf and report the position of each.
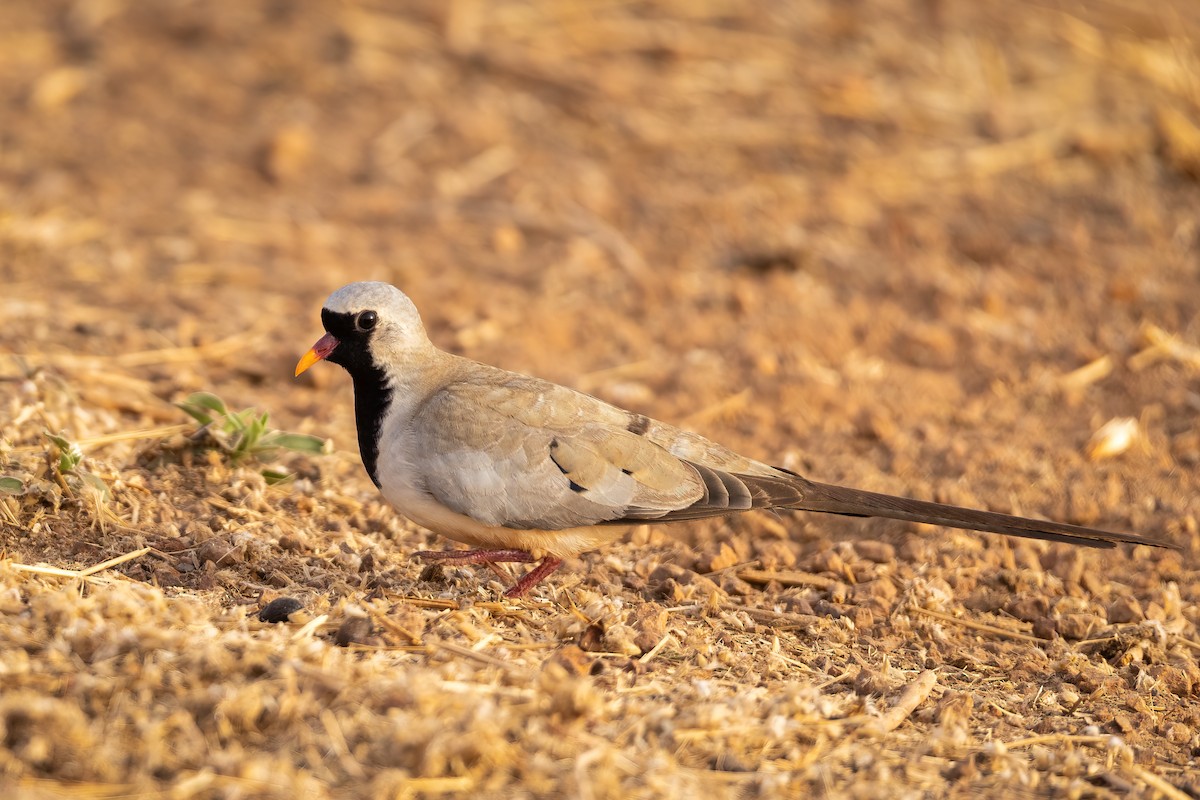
(255, 430)
(300, 442)
(196, 413)
(247, 433)
(275, 476)
(69, 454)
(234, 423)
(10, 485)
(58, 441)
(96, 483)
(199, 404)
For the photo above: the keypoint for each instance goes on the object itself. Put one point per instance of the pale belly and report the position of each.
(403, 487)
(425, 511)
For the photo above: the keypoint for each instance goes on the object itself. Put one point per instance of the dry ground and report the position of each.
(921, 247)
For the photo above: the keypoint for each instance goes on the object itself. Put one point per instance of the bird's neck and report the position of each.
(372, 398)
(382, 395)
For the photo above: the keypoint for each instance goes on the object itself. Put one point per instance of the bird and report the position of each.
(528, 471)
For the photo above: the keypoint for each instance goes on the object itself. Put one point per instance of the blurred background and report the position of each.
(807, 227)
(929, 247)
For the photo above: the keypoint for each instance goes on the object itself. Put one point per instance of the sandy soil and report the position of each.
(927, 248)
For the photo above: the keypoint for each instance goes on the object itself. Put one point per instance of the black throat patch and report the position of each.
(372, 395)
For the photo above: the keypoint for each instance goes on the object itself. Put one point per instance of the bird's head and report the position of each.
(367, 326)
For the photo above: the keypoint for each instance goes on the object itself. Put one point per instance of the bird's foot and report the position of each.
(544, 569)
(535, 576)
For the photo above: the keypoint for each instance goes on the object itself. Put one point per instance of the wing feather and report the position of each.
(546, 465)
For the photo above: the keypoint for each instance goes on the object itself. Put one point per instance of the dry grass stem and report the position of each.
(1163, 346)
(914, 694)
(977, 626)
(788, 578)
(82, 573)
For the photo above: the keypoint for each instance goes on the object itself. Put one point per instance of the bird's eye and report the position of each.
(366, 320)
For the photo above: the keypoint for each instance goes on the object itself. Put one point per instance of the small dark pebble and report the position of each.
(1045, 628)
(433, 573)
(592, 638)
(824, 608)
(870, 682)
(290, 542)
(279, 609)
(355, 630)
(570, 661)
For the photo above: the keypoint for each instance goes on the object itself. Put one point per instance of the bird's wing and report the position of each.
(523, 453)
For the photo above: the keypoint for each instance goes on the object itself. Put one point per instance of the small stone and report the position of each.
(355, 630)
(794, 604)
(724, 557)
(650, 622)
(1122, 723)
(290, 543)
(1178, 733)
(433, 573)
(592, 638)
(827, 561)
(220, 552)
(863, 617)
(573, 660)
(872, 550)
(662, 578)
(1177, 682)
(824, 608)
(1125, 609)
(1045, 628)
(870, 682)
(881, 590)
(775, 555)
(1030, 608)
(279, 609)
(1079, 626)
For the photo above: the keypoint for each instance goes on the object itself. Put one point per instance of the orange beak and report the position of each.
(319, 351)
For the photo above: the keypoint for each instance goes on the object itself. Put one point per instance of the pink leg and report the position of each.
(534, 577)
(519, 589)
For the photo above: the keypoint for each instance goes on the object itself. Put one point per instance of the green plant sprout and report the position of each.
(69, 465)
(246, 434)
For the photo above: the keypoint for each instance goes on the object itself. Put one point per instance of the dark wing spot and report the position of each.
(627, 471)
(638, 424)
(553, 447)
(575, 487)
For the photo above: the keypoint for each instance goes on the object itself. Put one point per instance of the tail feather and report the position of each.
(832, 499)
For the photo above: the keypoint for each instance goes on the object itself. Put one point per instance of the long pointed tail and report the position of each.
(858, 503)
